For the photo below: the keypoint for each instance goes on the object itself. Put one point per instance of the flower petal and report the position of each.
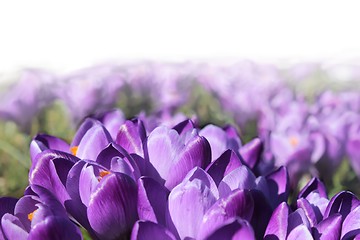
(313, 185)
(152, 197)
(279, 186)
(297, 218)
(227, 162)
(351, 224)
(299, 233)
(329, 228)
(343, 202)
(112, 121)
(238, 203)
(172, 157)
(112, 207)
(184, 126)
(308, 210)
(131, 136)
(42, 142)
(53, 228)
(278, 224)
(188, 203)
(12, 228)
(237, 229)
(7, 205)
(50, 172)
(142, 230)
(91, 138)
(251, 152)
(217, 138)
(240, 178)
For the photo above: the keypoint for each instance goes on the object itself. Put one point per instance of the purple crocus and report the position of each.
(38, 216)
(315, 217)
(101, 200)
(173, 155)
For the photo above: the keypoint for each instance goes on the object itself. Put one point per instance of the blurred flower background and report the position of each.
(243, 126)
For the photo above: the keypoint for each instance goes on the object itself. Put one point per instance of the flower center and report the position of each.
(73, 150)
(294, 141)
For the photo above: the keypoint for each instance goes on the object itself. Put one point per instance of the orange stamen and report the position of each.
(102, 174)
(31, 215)
(73, 150)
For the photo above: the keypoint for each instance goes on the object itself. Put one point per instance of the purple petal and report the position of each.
(188, 203)
(173, 158)
(87, 184)
(196, 153)
(112, 208)
(217, 138)
(299, 233)
(55, 228)
(26, 205)
(240, 178)
(7, 205)
(234, 141)
(227, 162)
(12, 228)
(329, 228)
(122, 165)
(163, 145)
(72, 182)
(351, 224)
(278, 224)
(237, 229)
(152, 197)
(238, 203)
(113, 150)
(142, 230)
(319, 204)
(75, 206)
(42, 142)
(343, 202)
(131, 136)
(279, 186)
(297, 218)
(308, 210)
(313, 185)
(251, 152)
(112, 121)
(184, 126)
(50, 172)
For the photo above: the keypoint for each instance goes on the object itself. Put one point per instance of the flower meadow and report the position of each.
(181, 151)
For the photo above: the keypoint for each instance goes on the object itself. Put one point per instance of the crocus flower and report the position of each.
(173, 155)
(103, 201)
(38, 216)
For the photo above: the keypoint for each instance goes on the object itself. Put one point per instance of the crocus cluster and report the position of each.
(308, 136)
(311, 137)
(119, 179)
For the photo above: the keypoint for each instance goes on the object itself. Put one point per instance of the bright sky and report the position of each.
(67, 35)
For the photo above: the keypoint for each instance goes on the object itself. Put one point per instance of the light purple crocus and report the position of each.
(173, 155)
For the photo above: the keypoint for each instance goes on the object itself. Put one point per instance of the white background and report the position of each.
(67, 35)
